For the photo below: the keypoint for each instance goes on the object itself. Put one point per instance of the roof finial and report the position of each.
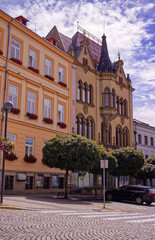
(119, 56)
(77, 25)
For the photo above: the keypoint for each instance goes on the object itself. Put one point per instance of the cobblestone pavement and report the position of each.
(46, 218)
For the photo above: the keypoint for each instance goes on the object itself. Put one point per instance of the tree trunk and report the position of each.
(66, 185)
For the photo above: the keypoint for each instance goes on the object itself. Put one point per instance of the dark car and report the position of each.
(136, 193)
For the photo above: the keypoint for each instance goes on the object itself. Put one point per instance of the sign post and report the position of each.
(104, 165)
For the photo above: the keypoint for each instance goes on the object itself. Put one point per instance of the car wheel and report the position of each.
(148, 203)
(109, 196)
(139, 200)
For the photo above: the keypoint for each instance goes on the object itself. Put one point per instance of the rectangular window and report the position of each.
(9, 182)
(60, 113)
(146, 140)
(13, 95)
(31, 102)
(11, 137)
(29, 146)
(29, 183)
(61, 74)
(139, 138)
(15, 49)
(47, 108)
(152, 142)
(32, 58)
(46, 182)
(48, 67)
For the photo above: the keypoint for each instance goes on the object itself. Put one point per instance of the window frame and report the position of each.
(61, 74)
(16, 49)
(61, 111)
(48, 111)
(33, 59)
(48, 67)
(31, 102)
(12, 95)
(28, 146)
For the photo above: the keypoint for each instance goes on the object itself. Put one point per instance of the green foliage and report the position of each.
(129, 161)
(71, 152)
(147, 171)
(151, 160)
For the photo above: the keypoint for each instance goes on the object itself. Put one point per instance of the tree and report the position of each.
(71, 153)
(148, 170)
(129, 162)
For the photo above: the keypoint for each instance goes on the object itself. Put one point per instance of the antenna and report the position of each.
(119, 56)
(77, 25)
(103, 25)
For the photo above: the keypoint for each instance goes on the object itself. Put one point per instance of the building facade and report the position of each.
(102, 99)
(144, 138)
(38, 79)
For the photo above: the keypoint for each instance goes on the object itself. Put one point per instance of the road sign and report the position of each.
(103, 163)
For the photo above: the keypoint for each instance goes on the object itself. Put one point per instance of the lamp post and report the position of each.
(6, 107)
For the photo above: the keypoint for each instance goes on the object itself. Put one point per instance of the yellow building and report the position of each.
(101, 92)
(38, 77)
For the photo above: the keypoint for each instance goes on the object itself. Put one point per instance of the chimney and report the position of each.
(22, 20)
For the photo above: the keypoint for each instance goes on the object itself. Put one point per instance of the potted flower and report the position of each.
(31, 116)
(16, 61)
(11, 156)
(62, 84)
(48, 120)
(30, 159)
(62, 125)
(6, 145)
(33, 69)
(49, 77)
(1, 53)
(15, 110)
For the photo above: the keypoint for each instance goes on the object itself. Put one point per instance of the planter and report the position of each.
(30, 159)
(1, 53)
(16, 61)
(49, 77)
(48, 120)
(15, 110)
(31, 116)
(6, 145)
(33, 69)
(11, 156)
(62, 84)
(62, 125)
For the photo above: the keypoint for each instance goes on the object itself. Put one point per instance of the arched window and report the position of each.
(102, 132)
(86, 129)
(79, 91)
(118, 136)
(90, 94)
(117, 104)
(89, 100)
(76, 125)
(81, 127)
(106, 98)
(121, 106)
(84, 93)
(110, 135)
(125, 137)
(125, 108)
(90, 129)
(113, 98)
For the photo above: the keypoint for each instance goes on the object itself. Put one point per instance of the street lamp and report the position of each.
(6, 107)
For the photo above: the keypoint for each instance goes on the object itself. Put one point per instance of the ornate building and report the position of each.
(102, 95)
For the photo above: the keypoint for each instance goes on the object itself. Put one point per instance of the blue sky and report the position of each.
(129, 27)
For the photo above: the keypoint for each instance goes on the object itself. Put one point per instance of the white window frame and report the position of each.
(15, 49)
(47, 108)
(60, 113)
(32, 58)
(13, 95)
(48, 67)
(12, 138)
(29, 147)
(61, 74)
(31, 102)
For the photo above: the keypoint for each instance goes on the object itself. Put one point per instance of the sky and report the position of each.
(129, 26)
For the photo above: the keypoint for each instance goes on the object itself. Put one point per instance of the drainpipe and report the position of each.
(6, 72)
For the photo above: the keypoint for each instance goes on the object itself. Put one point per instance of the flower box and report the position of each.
(33, 69)
(31, 116)
(1, 53)
(11, 156)
(15, 110)
(62, 125)
(62, 84)
(49, 77)
(30, 159)
(6, 145)
(16, 61)
(48, 120)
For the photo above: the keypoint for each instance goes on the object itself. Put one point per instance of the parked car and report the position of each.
(136, 193)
